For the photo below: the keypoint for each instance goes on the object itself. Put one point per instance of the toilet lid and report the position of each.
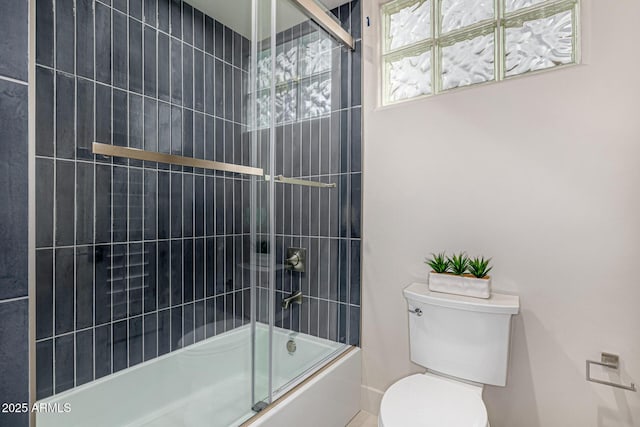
(426, 400)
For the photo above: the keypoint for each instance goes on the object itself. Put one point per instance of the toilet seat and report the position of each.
(428, 400)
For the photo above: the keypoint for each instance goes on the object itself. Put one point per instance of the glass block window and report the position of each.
(302, 77)
(432, 46)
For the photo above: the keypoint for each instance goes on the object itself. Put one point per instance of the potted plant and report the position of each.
(460, 275)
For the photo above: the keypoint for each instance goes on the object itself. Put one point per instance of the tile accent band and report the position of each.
(152, 156)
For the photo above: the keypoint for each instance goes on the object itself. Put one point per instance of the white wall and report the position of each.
(543, 174)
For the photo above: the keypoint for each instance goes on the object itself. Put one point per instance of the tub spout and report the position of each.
(295, 297)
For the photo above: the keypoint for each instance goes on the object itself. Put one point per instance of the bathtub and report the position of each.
(209, 384)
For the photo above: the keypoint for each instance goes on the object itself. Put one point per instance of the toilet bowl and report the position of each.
(428, 400)
(463, 342)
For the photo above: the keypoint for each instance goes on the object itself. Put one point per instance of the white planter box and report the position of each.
(460, 285)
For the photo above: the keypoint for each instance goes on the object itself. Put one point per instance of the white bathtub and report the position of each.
(208, 384)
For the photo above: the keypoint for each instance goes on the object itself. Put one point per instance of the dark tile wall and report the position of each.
(135, 259)
(325, 221)
(14, 210)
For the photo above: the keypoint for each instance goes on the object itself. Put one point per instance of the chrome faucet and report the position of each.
(294, 298)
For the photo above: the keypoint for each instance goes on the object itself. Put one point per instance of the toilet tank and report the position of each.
(464, 337)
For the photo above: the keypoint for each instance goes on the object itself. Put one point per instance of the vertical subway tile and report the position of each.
(64, 363)
(45, 106)
(150, 12)
(199, 321)
(103, 114)
(176, 205)
(176, 272)
(164, 130)
(164, 66)
(356, 205)
(354, 325)
(44, 293)
(150, 341)
(187, 23)
(176, 71)
(14, 364)
(102, 285)
(228, 44)
(187, 75)
(150, 195)
(120, 121)
(199, 206)
(103, 43)
(198, 29)
(218, 40)
(198, 80)
(210, 265)
(120, 346)
(187, 206)
(210, 317)
(44, 369)
(84, 41)
(164, 274)
(135, 9)
(187, 270)
(176, 328)
(65, 111)
(135, 55)
(343, 278)
(103, 351)
(163, 15)
(209, 24)
(354, 268)
(199, 269)
(84, 119)
(164, 332)
(356, 140)
(120, 223)
(163, 205)
(356, 85)
(84, 203)
(150, 276)
(210, 84)
(44, 32)
(135, 283)
(176, 18)
(65, 202)
(135, 340)
(135, 204)
(150, 125)
(103, 204)
(188, 324)
(149, 61)
(65, 35)
(136, 125)
(120, 44)
(187, 134)
(120, 5)
(84, 357)
(44, 202)
(119, 281)
(176, 131)
(84, 287)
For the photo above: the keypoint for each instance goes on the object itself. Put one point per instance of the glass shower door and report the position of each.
(300, 94)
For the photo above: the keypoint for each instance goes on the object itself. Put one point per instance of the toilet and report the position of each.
(463, 342)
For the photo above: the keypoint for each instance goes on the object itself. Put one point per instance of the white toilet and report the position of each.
(464, 343)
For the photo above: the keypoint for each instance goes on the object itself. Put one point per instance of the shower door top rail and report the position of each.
(296, 181)
(313, 10)
(153, 156)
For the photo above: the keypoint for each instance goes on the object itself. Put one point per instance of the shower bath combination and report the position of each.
(198, 204)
